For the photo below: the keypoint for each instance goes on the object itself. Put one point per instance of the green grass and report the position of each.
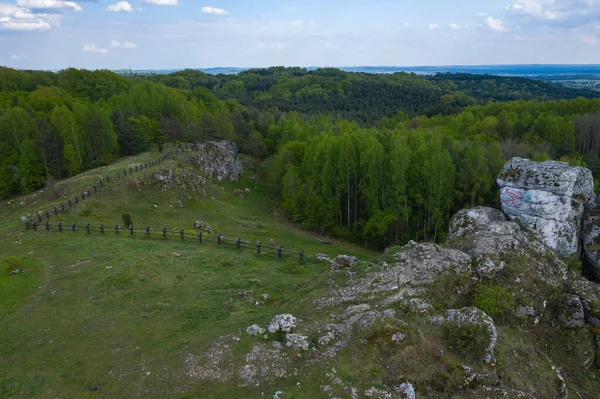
(106, 316)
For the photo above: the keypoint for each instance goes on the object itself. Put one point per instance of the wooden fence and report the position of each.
(93, 189)
(165, 233)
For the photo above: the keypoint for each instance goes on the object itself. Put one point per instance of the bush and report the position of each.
(467, 339)
(127, 220)
(575, 264)
(495, 300)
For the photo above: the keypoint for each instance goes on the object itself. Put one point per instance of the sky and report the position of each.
(175, 34)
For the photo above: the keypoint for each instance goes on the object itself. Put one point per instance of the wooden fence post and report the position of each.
(70, 204)
(279, 251)
(131, 229)
(47, 225)
(60, 229)
(238, 242)
(47, 215)
(87, 228)
(73, 228)
(164, 231)
(34, 226)
(27, 224)
(107, 178)
(76, 199)
(118, 175)
(55, 211)
(181, 233)
(102, 228)
(116, 229)
(199, 235)
(219, 239)
(301, 256)
(258, 247)
(147, 230)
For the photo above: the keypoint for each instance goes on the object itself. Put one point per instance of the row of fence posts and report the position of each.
(219, 239)
(94, 188)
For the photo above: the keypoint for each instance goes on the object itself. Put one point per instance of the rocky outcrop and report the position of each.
(548, 198)
(218, 159)
(591, 241)
(416, 267)
(467, 221)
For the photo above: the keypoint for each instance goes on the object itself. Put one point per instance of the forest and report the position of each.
(374, 159)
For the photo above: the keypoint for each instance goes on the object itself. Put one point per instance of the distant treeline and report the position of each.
(378, 159)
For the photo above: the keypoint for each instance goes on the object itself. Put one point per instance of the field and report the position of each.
(117, 316)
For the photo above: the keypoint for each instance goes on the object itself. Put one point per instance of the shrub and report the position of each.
(495, 300)
(467, 339)
(127, 220)
(575, 264)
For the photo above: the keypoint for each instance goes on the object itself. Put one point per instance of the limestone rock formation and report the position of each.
(548, 198)
(466, 221)
(219, 159)
(342, 261)
(591, 241)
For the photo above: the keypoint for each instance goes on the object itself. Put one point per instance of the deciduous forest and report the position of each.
(375, 159)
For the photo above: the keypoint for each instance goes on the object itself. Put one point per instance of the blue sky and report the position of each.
(155, 34)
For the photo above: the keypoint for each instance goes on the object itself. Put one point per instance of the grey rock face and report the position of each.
(467, 221)
(415, 305)
(475, 316)
(296, 341)
(591, 241)
(342, 261)
(548, 198)
(416, 267)
(218, 159)
(282, 322)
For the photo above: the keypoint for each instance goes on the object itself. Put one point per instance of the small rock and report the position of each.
(255, 329)
(296, 341)
(407, 390)
(398, 337)
(342, 261)
(323, 258)
(282, 322)
(377, 393)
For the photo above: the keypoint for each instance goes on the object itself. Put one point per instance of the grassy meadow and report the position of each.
(116, 316)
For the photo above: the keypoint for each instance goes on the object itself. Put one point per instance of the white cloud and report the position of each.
(162, 2)
(214, 11)
(49, 4)
(558, 13)
(496, 25)
(589, 39)
(121, 6)
(433, 26)
(92, 48)
(127, 45)
(16, 57)
(17, 18)
(454, 26)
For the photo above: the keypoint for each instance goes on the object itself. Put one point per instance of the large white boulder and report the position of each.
(548, 198)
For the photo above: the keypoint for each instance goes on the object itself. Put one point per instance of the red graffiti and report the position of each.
(513, 198)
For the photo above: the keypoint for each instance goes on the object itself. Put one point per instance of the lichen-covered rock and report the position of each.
(377, 393)
(282, 322)
(415, 305)
(467, 221)
(589, 295)
(417, 266)
(591, 241)
(323, 258)
(296, 341)
(342, 261)
(406, 391)
(255, 329)
(475, 316)
(202, 226)
(572, 312)
(548, 198)
(219, 160)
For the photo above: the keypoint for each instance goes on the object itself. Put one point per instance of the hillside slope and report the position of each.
(108, 316)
